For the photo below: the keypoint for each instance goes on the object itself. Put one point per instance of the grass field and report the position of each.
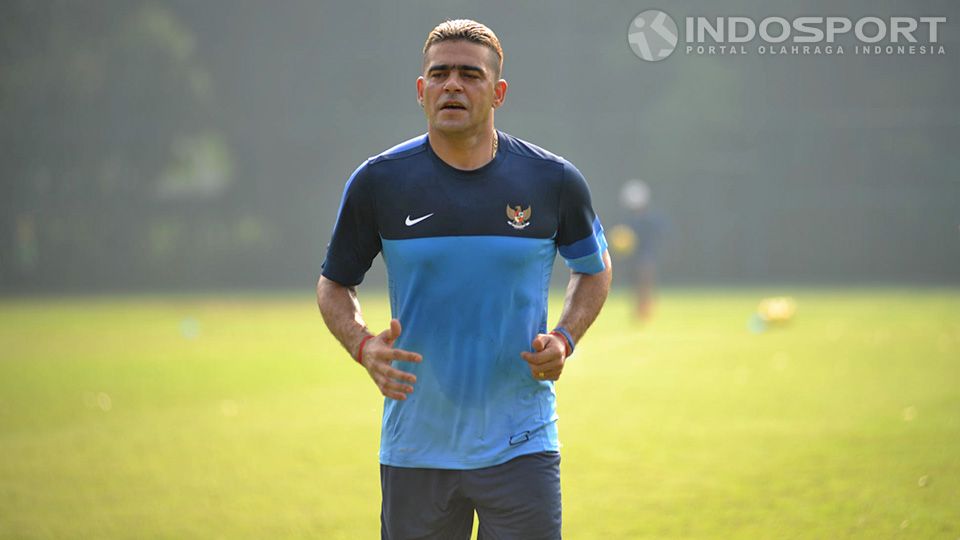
(239, 417)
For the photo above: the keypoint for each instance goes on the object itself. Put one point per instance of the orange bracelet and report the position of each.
(363, 342)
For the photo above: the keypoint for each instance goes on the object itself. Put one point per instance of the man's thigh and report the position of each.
(423, 504)
(519, 499)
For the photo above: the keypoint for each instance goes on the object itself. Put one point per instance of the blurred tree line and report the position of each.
(177, 144)
(113, 160)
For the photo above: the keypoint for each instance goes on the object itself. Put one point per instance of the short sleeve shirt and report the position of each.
(469, 256)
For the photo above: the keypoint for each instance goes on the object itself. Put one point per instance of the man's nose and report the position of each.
(453, 83)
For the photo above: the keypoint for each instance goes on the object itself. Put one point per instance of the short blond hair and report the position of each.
(466, 30)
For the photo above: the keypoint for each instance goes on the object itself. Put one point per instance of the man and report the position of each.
(647, 226)
(468, 220)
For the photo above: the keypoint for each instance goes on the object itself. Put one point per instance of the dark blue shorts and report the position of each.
(519, 499)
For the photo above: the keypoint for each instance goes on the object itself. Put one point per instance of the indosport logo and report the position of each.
(653, 35)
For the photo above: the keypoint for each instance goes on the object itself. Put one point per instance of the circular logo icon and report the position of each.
(652, 35)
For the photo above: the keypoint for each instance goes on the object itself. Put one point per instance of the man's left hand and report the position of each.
(548, 356)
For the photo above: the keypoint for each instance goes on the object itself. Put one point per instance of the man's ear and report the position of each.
(420, 83)
(499, 93)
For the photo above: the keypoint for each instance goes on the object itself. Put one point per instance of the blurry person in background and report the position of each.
(647, 226)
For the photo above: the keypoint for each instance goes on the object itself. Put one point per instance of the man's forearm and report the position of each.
(586, 294)
(340, 309)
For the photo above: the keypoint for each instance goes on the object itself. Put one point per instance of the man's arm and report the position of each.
(586, 294)
(340, 309)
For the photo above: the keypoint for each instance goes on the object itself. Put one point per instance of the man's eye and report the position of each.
(436, 75)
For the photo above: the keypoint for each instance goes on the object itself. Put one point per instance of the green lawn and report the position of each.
(239, 417)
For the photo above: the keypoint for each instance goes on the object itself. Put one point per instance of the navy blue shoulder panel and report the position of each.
(409, 192)
(521, 147)
(407, 148)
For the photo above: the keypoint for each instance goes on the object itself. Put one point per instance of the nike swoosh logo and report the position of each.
(411, 222)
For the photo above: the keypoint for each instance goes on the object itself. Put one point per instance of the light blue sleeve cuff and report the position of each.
(588, 264)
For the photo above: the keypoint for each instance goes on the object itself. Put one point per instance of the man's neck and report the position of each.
(465, 152)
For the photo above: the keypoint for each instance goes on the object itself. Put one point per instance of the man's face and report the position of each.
(459, 88)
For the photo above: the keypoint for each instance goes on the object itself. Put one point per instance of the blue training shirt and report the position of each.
(469, 256)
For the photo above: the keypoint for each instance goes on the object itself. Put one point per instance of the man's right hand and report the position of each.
(378, 357)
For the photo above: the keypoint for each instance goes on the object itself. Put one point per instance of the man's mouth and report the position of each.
(453, 105)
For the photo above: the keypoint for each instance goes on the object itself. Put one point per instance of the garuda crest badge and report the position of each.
(519, 218)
